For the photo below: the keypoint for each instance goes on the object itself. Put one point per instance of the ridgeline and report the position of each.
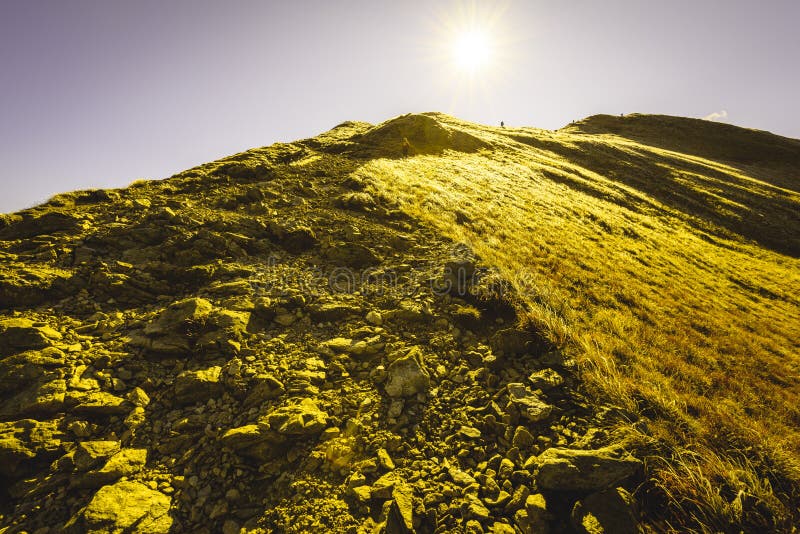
(594, 329)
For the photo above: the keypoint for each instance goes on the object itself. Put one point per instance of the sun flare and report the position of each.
(471, 50)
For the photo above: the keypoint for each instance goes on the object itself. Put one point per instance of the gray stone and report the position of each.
(266, 387)
(400, 519)
(529, 405)
(18, 334)
(406, 376)
(584, 470)
(198, 386)
(145, 511)
(26, 442)
(545, 379)
(90, 454)
(99, 403)
(302, 419)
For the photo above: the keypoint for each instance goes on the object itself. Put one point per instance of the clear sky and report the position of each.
(98, 93)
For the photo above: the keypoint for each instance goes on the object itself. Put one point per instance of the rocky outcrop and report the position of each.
(251, 345)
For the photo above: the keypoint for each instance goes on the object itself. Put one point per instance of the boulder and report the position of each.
(334, 311)
(98, 403)
(19, 334)
(49, 222)
(241, 437)
(512, 341)
(180, 314)
(406, 377)
(145, 511)
(294, 238)
(25, 285)
(253, 441)
(606, 512)
(459, 276)
(301, 419)
(528, 404)
(138, 397)
(264, 387)
(545, 379)
(198, 386)
(563, 469)
(224, 330)
(175, 328)
(400, 519)
(353, 255)
(20, 370)
(27, 442)
(90, 454)
(38, 399)
(123, 463)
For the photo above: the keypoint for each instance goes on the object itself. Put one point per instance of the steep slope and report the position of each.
(326, 335)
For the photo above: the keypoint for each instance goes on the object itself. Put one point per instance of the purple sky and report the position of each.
(99, 93)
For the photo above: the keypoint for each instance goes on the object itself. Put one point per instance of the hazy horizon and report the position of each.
(98, 94)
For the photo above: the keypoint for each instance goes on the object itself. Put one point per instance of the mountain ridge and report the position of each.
(369, 340)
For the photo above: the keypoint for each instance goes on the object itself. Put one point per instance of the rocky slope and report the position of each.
(268, 346)
(267, 343)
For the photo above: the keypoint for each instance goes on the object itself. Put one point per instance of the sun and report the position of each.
(471, 50)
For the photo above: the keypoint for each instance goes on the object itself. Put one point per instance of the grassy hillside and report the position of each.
(277, 341)
(672, 275)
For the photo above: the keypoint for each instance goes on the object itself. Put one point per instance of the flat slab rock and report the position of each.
(583, 470)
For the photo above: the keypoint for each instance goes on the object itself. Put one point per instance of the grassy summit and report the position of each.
(326, 335)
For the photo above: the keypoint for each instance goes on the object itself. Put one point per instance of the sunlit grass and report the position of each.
(672, 315)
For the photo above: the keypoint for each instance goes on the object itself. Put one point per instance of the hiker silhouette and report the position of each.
(502, 124)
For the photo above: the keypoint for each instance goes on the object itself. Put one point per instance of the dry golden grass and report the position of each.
(673, 278)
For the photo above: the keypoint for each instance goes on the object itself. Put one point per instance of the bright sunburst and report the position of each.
(471, 50)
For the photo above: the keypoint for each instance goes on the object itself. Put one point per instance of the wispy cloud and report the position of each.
(717, 115)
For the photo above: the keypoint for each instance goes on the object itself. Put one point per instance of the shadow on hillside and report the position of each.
(754, 210)
(767, 156)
